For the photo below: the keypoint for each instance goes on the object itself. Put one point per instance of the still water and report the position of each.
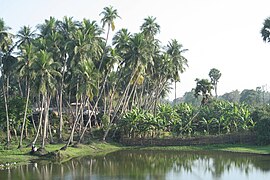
(148, 165)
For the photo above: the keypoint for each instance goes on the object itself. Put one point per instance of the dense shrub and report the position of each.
(262, 129)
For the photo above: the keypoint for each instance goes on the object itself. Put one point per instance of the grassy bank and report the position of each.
(15, 156)
(22, 156)
(238, 148)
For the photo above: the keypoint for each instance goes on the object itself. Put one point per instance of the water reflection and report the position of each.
(158, 165)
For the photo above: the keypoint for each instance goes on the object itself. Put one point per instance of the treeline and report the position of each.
(253, 97)
(65, 70)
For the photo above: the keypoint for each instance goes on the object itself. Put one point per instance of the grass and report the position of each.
(240, 148)
(22, 156)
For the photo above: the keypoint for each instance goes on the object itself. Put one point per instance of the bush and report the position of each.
(262, 130)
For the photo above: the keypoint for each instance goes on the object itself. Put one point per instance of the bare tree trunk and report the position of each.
(40, 120)
(46, 119)
(174, 92)
(24, 117)
(5, 94)
(120, 101)
(60, 131)
(70, 140)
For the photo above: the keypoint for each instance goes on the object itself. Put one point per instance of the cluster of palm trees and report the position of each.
(67, 61)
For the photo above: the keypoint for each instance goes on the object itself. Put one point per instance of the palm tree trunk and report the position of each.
(20, 87)
(216, 90)
(40, 120)
(106, 41)
(175, 92)
(60, 137)
(46, 119)
(118, 106)
(70, 139)
(7, 116)
(24, 117)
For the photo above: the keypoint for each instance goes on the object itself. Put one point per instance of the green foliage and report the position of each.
(216, 117)
(261, 117)
(225, 117)
(16, 113)
(203, 88)
(260, 112)
(248, 96)
(105, 120)
(262, 130)
(137, 122)
(233, 96)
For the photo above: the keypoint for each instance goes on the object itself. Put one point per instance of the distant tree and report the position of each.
(233, 96)
(249, 96)
(203, 88)
(265, 31)
(214, 75)
(191, 99)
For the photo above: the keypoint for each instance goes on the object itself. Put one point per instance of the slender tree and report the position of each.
(178, 61)
(45, 82)
(214, 75)
(5, 65)
(109, 15)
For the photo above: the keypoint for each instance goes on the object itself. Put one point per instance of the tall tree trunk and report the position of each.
(46, 119)
(24, 116)
(5, 94)
(40, 120)
(118, 107)
(60, 131)
(70, 139)
(216, 90)
(103, 55)
(174, 92)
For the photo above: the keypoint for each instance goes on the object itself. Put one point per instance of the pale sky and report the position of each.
(222, 34)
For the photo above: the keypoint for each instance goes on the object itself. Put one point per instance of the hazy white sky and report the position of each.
(222, 34)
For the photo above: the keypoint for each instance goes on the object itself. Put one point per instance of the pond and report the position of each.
(148, 165)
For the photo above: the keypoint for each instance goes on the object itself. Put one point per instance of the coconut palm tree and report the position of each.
(65, 28)
(178, 61)
(6, 62)
(44, 75)
(150, 28)
(26, 56)
(25, 36)
(26, 59)
(135, 62)
(109, 15)
(88, 88)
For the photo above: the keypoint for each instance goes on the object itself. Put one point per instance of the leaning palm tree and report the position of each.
(134, 64)
(45, 81)
(178, 61)
(26, 58)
